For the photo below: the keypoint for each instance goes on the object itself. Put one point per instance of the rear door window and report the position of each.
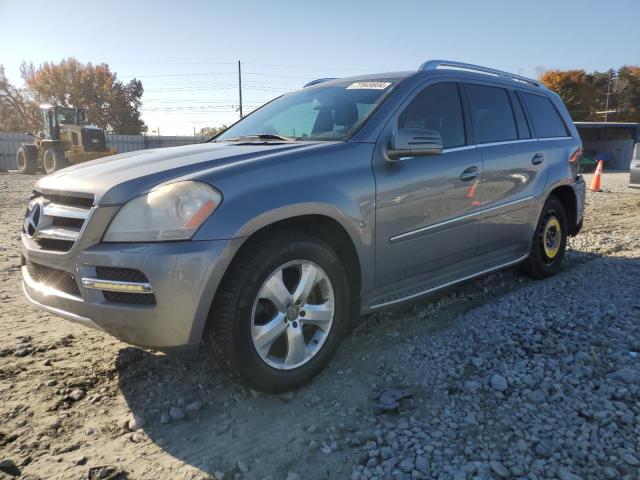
(545, 118)
(438, 108)
(491, 114)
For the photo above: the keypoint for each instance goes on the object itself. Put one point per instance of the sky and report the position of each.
(186, 53)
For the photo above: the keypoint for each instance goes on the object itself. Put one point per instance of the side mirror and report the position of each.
(414, 142)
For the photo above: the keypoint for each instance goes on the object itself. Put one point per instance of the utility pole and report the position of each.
(240, 86)
(606, 108)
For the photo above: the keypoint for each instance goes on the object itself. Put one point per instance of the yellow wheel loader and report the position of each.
(66, 139)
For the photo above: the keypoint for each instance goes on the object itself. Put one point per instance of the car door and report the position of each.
(424, 205)
(512, 169)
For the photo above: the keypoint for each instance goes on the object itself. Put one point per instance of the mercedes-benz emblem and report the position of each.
(33, 218)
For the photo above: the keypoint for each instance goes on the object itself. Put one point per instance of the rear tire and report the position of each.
(26, 160)
(54, 160)
(549, 241)
(268, 343)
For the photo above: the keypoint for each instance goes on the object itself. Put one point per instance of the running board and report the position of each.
(435, 285)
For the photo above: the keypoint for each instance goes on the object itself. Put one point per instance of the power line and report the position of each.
(277, 65)
(176, 75)
(204, 74)
(172, 63)
(279, 75)
(189, 89)
(196, 100)
(319, 67)
(255, 81)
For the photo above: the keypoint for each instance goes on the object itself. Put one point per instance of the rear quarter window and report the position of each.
(544, 116)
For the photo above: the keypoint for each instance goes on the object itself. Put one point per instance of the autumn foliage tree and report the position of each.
(16, 108)
(574, 88)
(585, 94)
(110, 103)
(628, 93)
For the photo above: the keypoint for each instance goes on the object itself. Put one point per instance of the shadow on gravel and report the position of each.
(191, 411)
(195, 414)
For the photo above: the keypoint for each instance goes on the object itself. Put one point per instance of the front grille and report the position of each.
(93, 140)
(54, 278)
(130, 298)
(68, 222)
(119, 274)
(54, 221)
(63, 199)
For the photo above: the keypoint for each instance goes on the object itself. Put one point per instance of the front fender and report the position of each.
(351, 223)
(336, 183)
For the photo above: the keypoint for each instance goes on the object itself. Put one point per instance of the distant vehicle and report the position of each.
(343, 198)
(65, 139)
(634, 176)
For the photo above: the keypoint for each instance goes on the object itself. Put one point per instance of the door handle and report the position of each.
(537, 159)
(469, 174)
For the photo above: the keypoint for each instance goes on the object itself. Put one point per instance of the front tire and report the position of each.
(549, 241)
(54, 160)
(26, 161)
(280, 312)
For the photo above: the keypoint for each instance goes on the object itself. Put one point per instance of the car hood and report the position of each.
(116, 179)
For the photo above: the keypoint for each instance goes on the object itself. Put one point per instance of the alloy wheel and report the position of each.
(292, 314)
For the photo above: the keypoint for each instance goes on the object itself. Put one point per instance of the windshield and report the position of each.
(323, 112)
(66, 116)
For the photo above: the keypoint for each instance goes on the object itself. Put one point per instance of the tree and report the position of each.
(585, 94)
(628, 94)
(602, 86)
(109, 103)
(576, 90)
(212, 131)
(16, 108)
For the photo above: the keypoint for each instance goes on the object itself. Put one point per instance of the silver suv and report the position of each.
(340, 199)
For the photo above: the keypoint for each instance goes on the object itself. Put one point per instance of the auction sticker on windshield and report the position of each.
(369, 85)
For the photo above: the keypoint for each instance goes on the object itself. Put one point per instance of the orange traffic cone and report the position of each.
(595, 184)
(471, 192)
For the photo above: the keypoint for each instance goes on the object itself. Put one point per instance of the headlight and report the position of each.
(170, 212)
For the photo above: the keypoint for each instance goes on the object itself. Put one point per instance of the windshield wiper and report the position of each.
(263, 136)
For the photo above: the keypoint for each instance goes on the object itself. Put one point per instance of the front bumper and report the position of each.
(183, 275)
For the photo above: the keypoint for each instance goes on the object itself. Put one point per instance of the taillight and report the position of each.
(575, 156)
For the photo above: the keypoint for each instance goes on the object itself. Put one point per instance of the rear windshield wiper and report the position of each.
(264, 136)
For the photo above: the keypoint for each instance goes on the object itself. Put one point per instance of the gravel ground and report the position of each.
(502, 377)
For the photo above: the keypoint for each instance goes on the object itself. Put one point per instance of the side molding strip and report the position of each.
(418, 232)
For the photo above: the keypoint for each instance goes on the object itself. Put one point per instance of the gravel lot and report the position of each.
(502, 377)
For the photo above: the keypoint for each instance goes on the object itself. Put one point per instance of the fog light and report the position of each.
(114, 286)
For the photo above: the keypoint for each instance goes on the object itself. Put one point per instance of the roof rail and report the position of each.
(319, 80)
(435, 64)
